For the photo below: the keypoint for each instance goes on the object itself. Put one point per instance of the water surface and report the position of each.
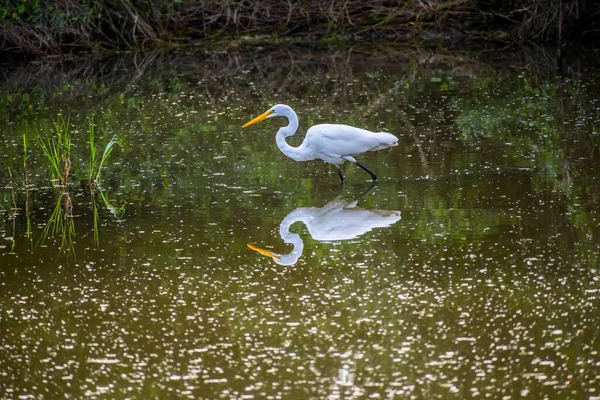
(470, 270)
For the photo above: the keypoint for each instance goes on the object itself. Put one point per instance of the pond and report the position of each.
(203, 263)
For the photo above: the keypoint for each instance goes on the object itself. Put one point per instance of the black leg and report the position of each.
(369, 171)
(362, 196)
(340, 174)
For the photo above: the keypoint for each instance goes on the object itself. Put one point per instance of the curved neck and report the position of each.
(292, 257)
(291, 238)
(295, 153)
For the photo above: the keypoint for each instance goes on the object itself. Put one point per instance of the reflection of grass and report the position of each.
(27, 214)
(14, 211)
(58, 149)
(117, 212)
(12, 191)
(96, 218)
(61, 224)
(25, 156)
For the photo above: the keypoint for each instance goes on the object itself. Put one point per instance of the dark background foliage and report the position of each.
(46, 27)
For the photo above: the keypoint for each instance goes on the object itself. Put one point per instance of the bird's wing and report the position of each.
(344, 140)
(345, 224)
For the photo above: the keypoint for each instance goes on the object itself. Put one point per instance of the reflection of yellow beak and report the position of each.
(264, 252)
(258, 119)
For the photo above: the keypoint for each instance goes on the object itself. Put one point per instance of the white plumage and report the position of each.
(332, 143)
(337, 220)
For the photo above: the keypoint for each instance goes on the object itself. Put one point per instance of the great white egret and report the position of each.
(337, 220)
(332, 143)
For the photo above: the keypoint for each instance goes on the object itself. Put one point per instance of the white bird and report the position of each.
(332, 143)
(337, 220)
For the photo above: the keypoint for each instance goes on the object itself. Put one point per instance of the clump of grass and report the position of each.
(57, 149)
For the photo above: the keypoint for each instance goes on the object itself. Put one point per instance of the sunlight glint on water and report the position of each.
(469, 270)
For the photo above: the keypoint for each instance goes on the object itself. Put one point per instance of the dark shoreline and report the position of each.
(73, 27)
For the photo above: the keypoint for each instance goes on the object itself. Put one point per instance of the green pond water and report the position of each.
(470, 270)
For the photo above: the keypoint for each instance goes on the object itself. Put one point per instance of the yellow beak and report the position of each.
(264, 252)
(258, 119)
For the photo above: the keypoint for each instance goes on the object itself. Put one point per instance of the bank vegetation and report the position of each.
(44, 27)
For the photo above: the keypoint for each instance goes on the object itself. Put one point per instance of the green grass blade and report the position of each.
(92, 150)
(50, 153)
(107, 151)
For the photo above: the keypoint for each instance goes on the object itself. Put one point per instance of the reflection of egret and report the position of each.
(337, 220)
(334, 144)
